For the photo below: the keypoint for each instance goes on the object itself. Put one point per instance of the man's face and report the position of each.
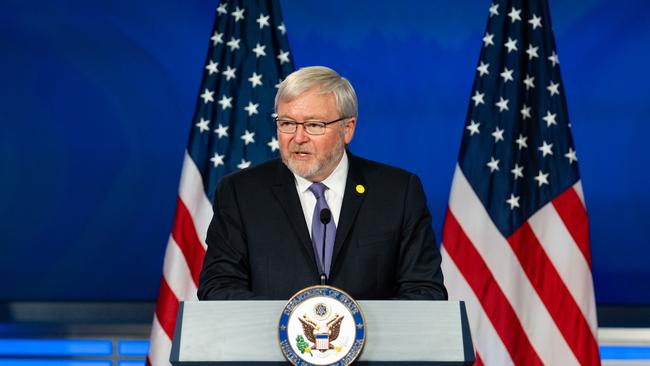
(313, 157)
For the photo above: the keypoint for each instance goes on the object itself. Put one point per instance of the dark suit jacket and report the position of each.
(259, 245)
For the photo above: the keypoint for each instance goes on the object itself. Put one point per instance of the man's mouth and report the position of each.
(301, 154)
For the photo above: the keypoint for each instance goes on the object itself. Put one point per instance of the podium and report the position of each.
(246, 333)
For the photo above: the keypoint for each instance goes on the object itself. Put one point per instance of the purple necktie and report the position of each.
(318, 189)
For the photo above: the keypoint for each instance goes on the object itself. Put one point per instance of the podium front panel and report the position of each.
(240, 332)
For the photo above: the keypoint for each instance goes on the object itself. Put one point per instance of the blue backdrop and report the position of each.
(96, 101)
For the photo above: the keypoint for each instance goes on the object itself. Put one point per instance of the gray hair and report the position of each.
(327, 80)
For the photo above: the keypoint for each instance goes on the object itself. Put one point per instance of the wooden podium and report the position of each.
(246, 333)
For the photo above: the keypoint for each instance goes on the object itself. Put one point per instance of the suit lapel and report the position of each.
(352, 200)
(285, 192)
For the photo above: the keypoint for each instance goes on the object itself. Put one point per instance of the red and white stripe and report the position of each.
(530, 297)
(322, 343)
(183, 260)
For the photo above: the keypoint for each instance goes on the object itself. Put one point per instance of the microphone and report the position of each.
(325, 217)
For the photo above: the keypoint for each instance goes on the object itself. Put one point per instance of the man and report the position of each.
(320, 214)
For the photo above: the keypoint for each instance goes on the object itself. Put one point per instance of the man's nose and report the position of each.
(301, 135)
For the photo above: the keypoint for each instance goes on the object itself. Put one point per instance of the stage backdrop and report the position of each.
(96, 101)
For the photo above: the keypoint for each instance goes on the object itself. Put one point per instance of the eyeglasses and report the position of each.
(311, 127)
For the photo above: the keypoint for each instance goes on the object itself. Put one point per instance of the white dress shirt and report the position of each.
(335, 183)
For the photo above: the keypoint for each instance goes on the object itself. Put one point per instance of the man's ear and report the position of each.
(350, 125)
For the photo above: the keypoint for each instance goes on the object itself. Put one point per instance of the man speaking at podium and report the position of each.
(320, 215)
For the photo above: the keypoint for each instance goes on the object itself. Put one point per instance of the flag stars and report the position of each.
(473, 128)
(511, 45)
(225, 102)
(554, 59)
(488, 39)
(571, 155)
(229, 73)
(550, 118)
(541, 178)
(283, 56)
(497, 134)
(513, 201)
(521, 141)
(203, 125)
(238, 14)
(545, 149)
(494, 10)
(517, 171)
(529, 81)
(273, 144)
(233, 43)
(532, 52)
(536, 22)
(212, 67)
(208, 96)
(248, 137)
(243, 164)
(217, 159)
(525, 112)
(221, 131)
(553, 88)
(493, 164)
(251, 108)
(514, 14)
(259, 50)
(217, 38)
(478, 98)
(507, 75)
(263, 20)
(255, 79)
(221, 9)
(502, 104)
(282, 28)
(483, 69)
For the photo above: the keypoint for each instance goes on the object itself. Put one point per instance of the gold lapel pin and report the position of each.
(360, 189)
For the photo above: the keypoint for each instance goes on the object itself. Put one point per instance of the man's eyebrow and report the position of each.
(308, 118)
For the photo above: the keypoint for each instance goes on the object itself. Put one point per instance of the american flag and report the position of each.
(515, 239)
(232, 129)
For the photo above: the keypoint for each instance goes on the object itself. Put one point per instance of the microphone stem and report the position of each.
(323, 276)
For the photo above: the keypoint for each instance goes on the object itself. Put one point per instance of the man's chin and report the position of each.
(302, 168)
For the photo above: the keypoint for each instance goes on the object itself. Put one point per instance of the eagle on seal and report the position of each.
(332, 329)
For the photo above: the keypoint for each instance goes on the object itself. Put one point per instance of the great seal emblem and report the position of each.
(321, 325)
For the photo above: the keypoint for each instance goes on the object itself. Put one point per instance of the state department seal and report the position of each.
(321, 325)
